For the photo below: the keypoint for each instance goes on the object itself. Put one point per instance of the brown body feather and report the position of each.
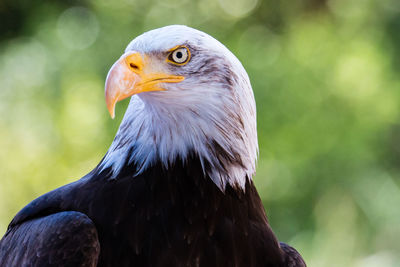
(174, 217)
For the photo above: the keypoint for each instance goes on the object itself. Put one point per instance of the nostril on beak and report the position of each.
(134, 66)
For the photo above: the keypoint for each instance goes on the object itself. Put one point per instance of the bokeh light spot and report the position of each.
(238, 8)
(77, 28)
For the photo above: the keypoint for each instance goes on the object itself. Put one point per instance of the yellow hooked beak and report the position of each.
(129, 76)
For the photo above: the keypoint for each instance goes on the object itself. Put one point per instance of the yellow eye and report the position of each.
(179, 56)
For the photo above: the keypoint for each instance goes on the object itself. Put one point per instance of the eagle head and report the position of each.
(189, 96)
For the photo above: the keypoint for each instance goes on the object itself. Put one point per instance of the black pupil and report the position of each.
(179, 54)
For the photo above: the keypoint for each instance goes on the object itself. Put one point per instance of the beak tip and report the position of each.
(111, 109)
(112, 113)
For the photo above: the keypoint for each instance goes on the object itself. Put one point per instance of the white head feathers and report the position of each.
(211, 113)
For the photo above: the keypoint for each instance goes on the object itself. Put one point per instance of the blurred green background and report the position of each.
(326, 80)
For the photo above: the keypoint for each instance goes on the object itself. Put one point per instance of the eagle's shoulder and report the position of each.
(67, 238)
(51, 233)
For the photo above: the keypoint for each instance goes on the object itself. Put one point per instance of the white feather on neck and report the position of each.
(169, 131)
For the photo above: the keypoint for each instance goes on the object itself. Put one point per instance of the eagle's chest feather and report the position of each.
(171, 217)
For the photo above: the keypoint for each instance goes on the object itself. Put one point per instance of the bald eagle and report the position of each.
(175, 187)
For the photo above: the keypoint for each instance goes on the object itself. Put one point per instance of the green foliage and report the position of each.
(325, 77)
